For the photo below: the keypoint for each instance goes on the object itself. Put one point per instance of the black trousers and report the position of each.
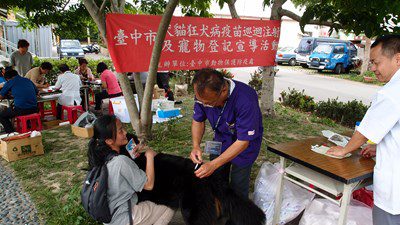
(7, 115)
(163, 83)
(103, 95)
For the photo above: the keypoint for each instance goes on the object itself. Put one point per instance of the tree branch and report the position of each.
(98, 17)
(65, 5)
(145, 112)
(276, 7)
(121, 6)
(232, 9)
(103, 6)
(284, 12)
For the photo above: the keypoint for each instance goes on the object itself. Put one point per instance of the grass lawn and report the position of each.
(54, 179)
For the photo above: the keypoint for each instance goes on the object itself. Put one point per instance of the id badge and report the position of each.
(213, 147)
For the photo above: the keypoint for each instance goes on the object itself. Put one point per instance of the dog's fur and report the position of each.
(202, 201)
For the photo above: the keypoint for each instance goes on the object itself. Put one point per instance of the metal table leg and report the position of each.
(344, 203)
(86, 98)
(279, 193)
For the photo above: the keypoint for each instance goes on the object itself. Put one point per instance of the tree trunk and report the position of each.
(232, 9)
(267, 94)
(98, 15)
(130, 103)
(138, 87)
(268, 73)
(145, 112)
(365, 61)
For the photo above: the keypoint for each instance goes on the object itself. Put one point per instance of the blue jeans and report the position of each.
(238, 178)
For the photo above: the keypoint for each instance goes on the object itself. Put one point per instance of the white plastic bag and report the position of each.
(85, 119)
(323, 211)
(294, 200)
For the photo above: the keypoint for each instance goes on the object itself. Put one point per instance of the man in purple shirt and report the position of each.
(234, 114)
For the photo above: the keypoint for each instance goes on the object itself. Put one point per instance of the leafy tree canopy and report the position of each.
(372, 18)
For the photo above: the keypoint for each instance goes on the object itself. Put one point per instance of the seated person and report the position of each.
(24, 93)
(125, 178)
(84, 72)
(70, 84)
(36, 74)
(163, 83)
(109, 83)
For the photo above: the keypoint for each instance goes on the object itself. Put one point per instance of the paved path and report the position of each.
(16, 206)
(317, 86)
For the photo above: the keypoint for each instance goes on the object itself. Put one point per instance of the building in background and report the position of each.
(40, 39)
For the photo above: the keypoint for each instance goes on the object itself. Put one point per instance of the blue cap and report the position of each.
(358, 123)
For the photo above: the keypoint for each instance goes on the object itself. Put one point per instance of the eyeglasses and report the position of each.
(211, 104)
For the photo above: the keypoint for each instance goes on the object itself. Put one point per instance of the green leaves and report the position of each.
(372, 18)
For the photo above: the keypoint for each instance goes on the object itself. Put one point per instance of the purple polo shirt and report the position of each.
(241, 120)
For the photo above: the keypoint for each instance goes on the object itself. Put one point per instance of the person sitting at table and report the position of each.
(70, 84)
(36, 74)
(84, 72)
(109, 83)
(25, 101)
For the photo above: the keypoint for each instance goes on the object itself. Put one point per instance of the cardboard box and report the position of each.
(82, 132)
(21, 148)
(158, 92)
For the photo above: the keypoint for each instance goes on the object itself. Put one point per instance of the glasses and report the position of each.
(211, 104)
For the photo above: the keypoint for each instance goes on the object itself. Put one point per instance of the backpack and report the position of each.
(94, 194)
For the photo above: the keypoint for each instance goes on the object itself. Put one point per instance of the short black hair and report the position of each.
(22, 43)
(101, 67)
(46, 66)
(82, 61)
(390, 44)
(63, 68)
(10, 74)
(208, 78)
(7, 68)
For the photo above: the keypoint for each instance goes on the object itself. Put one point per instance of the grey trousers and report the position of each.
(381, 217)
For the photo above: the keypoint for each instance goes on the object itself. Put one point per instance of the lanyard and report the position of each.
(222, 111)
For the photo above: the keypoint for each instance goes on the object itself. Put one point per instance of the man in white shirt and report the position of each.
(381, 124)
(70, 84)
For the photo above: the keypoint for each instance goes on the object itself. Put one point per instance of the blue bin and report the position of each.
(168, 113)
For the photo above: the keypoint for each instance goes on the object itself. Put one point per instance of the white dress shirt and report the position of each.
(70, 84)
(381, 124)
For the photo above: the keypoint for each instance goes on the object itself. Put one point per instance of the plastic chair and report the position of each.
(22, 123)
(72, 112)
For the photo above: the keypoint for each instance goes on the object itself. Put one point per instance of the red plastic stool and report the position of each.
(44, 112)
(110, 108)
(91, 92)
(22, 123)
(72, 112)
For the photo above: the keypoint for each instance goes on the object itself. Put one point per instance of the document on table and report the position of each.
(320, 149)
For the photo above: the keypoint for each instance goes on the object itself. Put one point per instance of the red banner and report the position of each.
(191, 42)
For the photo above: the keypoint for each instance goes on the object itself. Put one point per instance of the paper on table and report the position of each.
(50, 96)
(320, 149)
(336, 138)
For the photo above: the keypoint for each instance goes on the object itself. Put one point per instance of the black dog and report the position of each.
(202, 201)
